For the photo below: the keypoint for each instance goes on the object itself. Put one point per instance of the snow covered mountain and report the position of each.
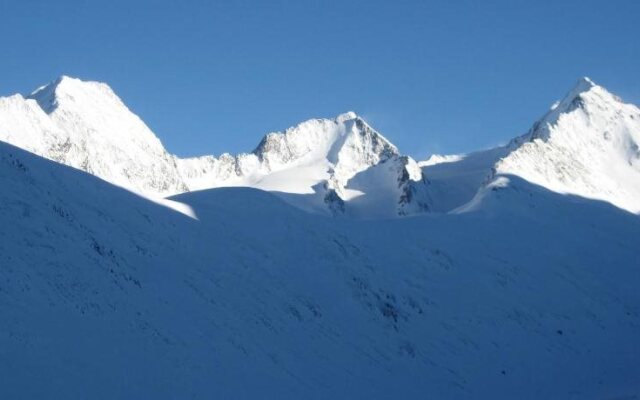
(319, 165)
(529, 295)
(586, 145)
(517, 278)
(86, 126)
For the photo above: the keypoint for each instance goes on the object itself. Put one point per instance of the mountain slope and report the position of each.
(100, 135)
(86, 126)
(586, 145)
(316, 160)
(530, 295)
(455, 179)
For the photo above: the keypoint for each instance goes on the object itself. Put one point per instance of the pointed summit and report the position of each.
(319, 139)
(584, 84)
(51, 86)
(574, 98)
(68, 90)
(587, 145)
(45, 95)
(586, 97)
(85, 125)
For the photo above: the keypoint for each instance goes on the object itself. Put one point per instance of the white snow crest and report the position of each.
(587, 144)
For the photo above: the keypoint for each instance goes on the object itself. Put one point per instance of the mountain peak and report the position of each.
(346, 141)
(87, 126)
(572, 98)
(586, 145)
(45, 95)
(66, 79)
(584, 84)
(583, 96)
(61, 82)
(66, 88)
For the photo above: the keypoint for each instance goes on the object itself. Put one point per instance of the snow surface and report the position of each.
(455, 180)
(516, 276)
(104, 294)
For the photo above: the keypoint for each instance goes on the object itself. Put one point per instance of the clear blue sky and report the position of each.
(433, 76)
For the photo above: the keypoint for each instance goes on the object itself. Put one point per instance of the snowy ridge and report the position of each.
(346, 144)
(587, 145)
(317, 158)
(100, 135)
(87, 126)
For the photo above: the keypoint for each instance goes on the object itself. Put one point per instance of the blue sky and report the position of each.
(432, 76)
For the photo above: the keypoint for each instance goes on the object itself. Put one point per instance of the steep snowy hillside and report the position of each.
(587, 145)
(529, 295)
